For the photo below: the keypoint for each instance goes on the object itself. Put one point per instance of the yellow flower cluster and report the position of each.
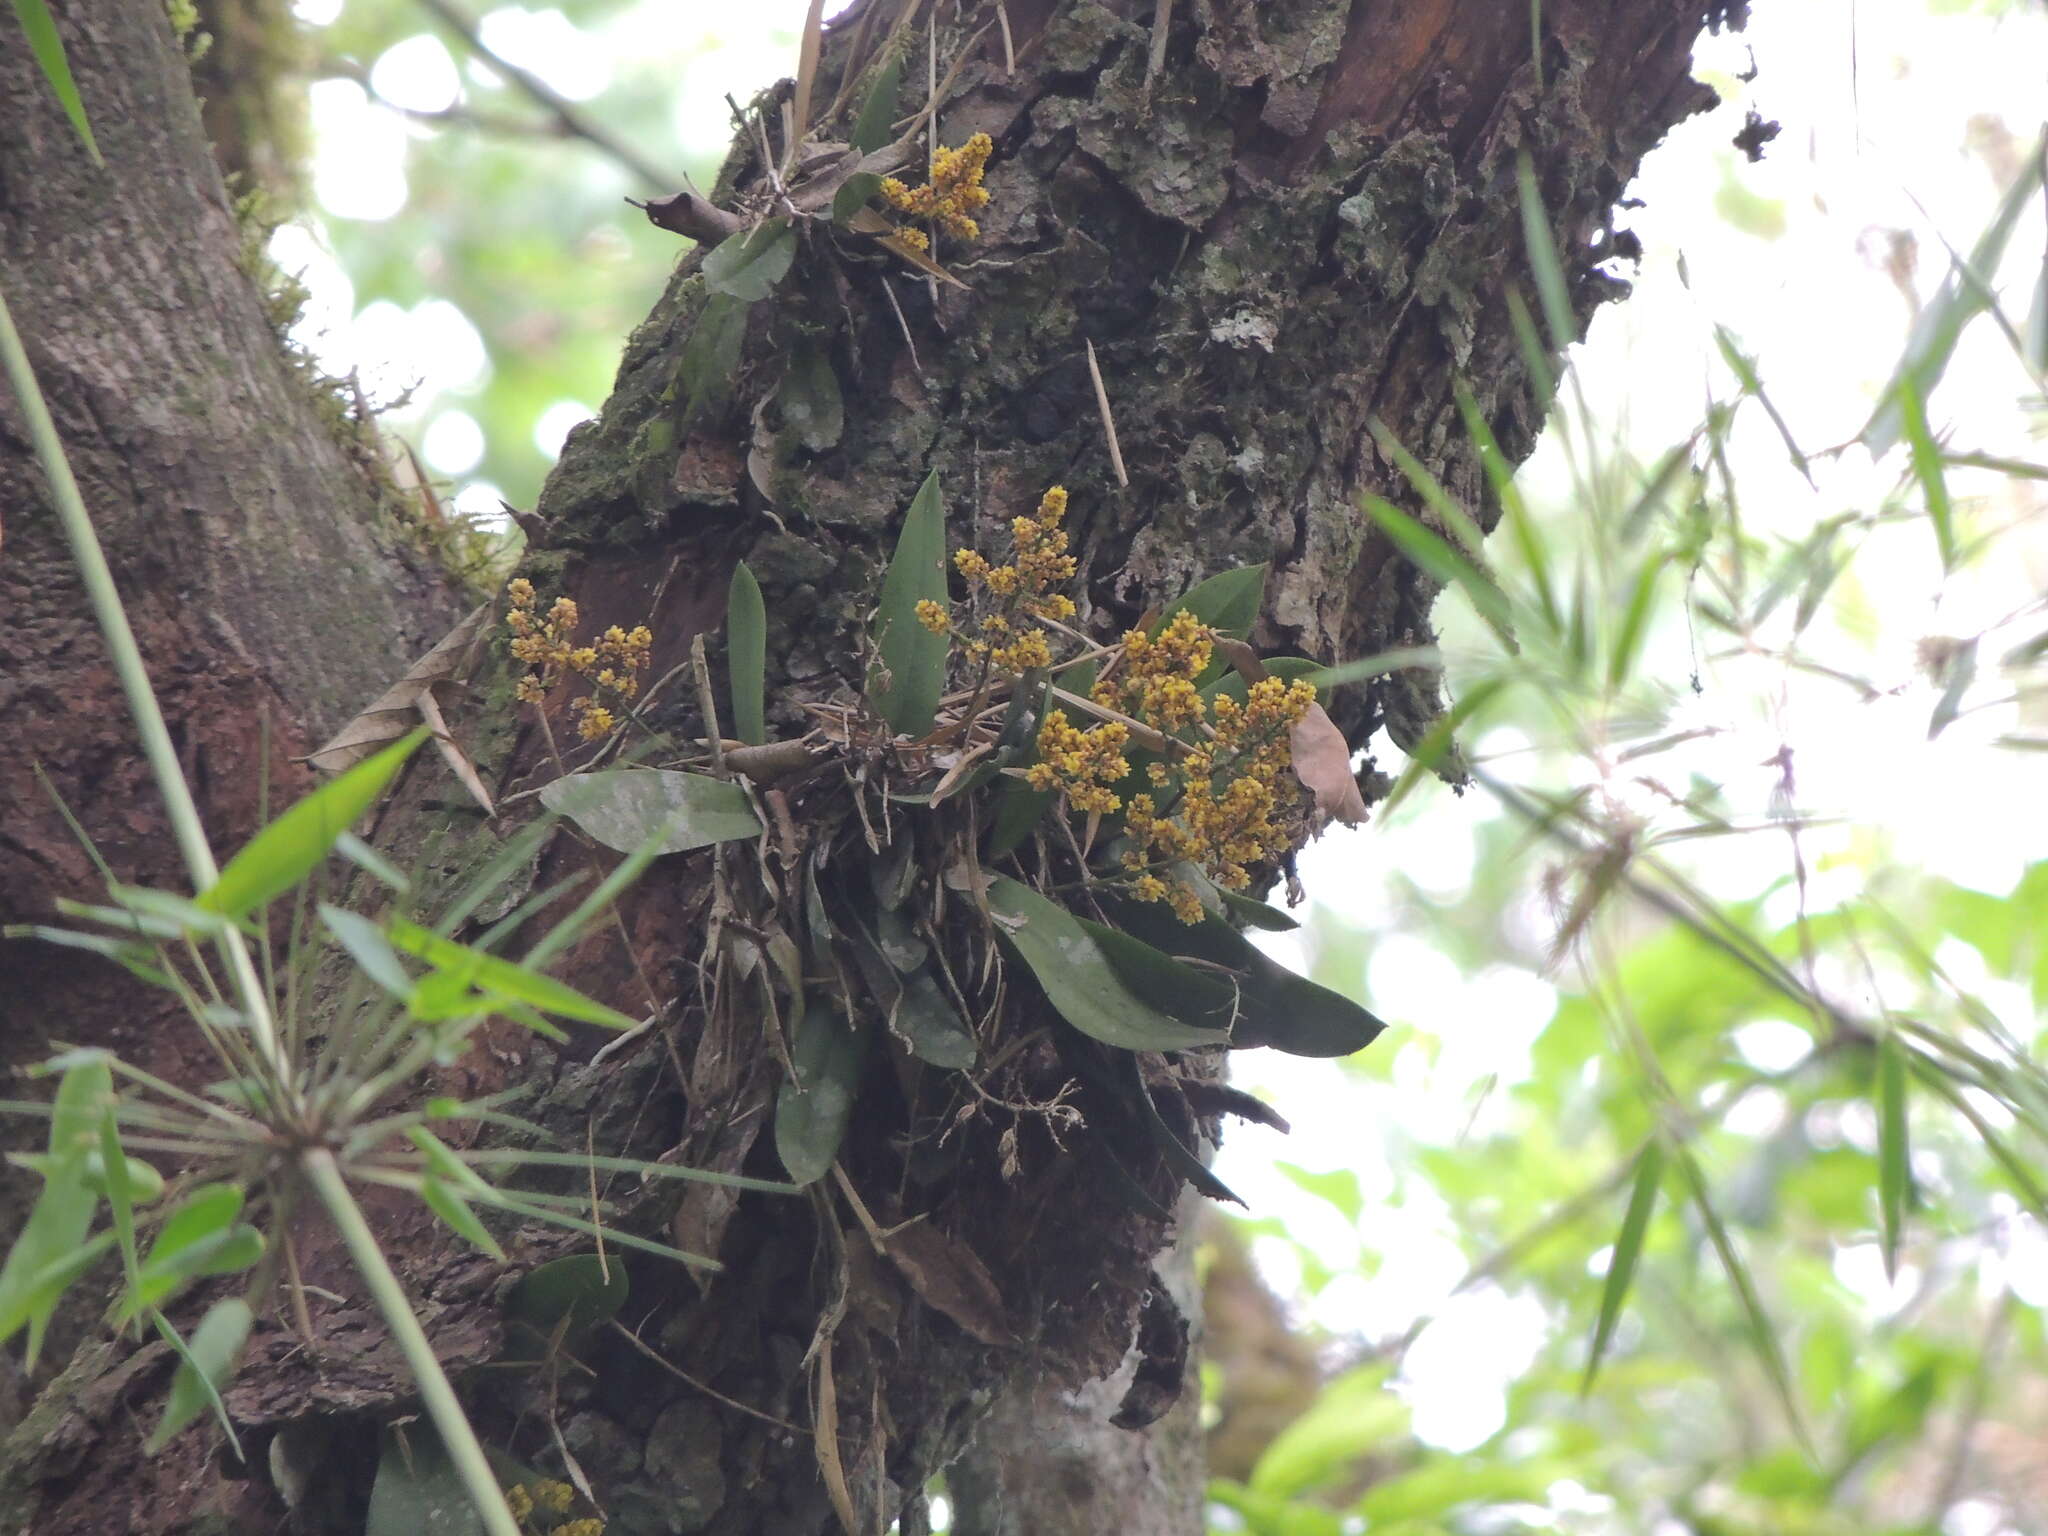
(953, 196)
(550, 1498)
(546, 644)
(1083, 764)
(1223, 795)
(1039, 562)
(1157, 680)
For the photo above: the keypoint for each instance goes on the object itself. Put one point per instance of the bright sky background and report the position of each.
(1790, 255)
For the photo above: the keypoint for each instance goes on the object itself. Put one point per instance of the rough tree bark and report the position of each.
(1275, 223)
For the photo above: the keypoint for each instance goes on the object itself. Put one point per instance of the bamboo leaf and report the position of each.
(1429, 550)
(43, 41)
(630, 808)
(1894, 1152)
(40, 1265)
(1514, 510)
(1379, 664)
(1080, 980)
(501, 978)
(1927, 468)
(208, 1361)
(1543, 262)
(115, 1163)
(1744, 368)
(371, 951)
(1628, 638)
(1963, 296)
(746, 648)
(1763, 1337)
(1453, 516)
(910, 673)
(1628, 1249)
(747, 267)
(1439, 746)
(139, 960)
(223, 1253)
(454, 1211)
(291, 847)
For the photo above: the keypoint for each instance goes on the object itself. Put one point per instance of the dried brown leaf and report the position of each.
(398, 709)
(806, 77)
(868, 222)
(1322, 761)
(452, 754)
(826, 1435)
(1242, 657)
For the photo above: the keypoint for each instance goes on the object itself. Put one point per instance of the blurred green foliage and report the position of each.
(523, 227)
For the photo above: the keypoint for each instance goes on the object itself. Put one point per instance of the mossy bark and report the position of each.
(1301, 219)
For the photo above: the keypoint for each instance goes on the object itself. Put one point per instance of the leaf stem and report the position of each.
(465, 1451)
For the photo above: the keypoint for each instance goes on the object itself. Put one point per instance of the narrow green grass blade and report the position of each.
(292, 846)
(119, 1197)
(1628, 637)
(1514, 510)
(1379, 664)
(1543, 262)
(1757, 1325)
(746, 648)
(1964, 295)
(1440, 501)
(1927, 468)
(1441, 742)
(1434, 554)
(43, 41)
(1894, 1165)
(205, 1365)
(1628, 1249)
(1745, 370)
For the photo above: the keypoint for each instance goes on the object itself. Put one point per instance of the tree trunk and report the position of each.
(1275, 223)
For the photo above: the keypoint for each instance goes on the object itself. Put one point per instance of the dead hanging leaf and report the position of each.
(457, 760)
(1322, 761)
(831, 1466)
(951, 1278)
(409, 701)
(1242, 657)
